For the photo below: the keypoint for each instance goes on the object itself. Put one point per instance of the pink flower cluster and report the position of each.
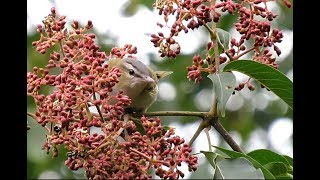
(78, 74)
(253, 25)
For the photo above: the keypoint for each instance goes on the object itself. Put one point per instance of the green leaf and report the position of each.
(223, 41)
(210, 157)
(265, 156)
(269, 77)
(285, 176)
(140, 128)
(276, 168)
(218, 174)
(166, 128)
(239, 168)
(223, 85)
(223, 38)
(289, 159)
(233, 154)
(213, 158)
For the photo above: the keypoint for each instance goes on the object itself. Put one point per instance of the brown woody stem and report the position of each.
(209, 119)
(232, 143)
(176, 113)
(202, 126)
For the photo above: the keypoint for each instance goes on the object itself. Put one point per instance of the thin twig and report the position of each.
(140, 153)
(61, 49)
(209, 29)
(88, 112)
(229, 56)
(208, 137)
(243, 53)
(202, 125)
(214, 121)
(32, 115)
(176, 113)
(126, 118)
(97, 107)
(232, 143)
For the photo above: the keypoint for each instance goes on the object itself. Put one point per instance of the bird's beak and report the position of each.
(148, 79)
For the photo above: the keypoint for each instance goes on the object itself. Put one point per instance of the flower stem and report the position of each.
(32, 115)
(97, 107)
(140, 153)
(60, 44)
(243, 53)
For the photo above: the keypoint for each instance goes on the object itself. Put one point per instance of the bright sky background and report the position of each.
(106, 17)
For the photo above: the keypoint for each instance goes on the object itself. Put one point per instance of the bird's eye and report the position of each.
(131, 71)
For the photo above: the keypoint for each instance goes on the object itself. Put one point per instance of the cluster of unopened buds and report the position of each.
(253, 24)
(121, 149)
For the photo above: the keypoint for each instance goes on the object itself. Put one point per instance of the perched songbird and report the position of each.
(137, 81)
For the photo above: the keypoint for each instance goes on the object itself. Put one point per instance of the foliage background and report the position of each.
(255, 119)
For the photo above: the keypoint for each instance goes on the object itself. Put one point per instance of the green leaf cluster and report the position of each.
(250, 165)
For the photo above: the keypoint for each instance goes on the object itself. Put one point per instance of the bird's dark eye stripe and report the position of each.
(131, 71)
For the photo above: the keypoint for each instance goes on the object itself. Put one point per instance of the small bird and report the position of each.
(137, 81)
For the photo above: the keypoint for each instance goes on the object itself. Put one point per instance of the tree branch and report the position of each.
(176, 113)
(209, 118)
(212, 118)
(232, 143)
(202, 125)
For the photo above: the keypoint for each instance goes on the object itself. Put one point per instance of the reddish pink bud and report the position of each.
(277, 49)
(209, 45)
(241, 85)
(53, 10)
(92, 36)
(258, 1)
(242, 48)
(250, 87)
(75, 24)
(43, 51)
(287, 3)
